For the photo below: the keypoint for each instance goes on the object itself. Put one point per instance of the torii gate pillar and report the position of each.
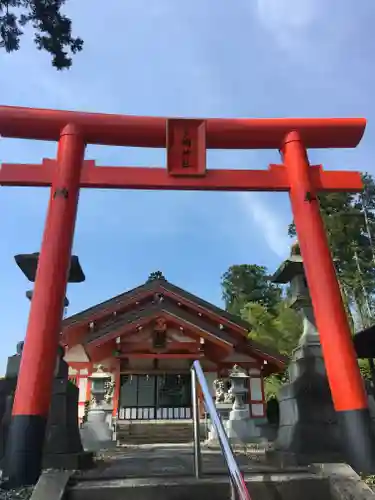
(347, 388)
(34, 386)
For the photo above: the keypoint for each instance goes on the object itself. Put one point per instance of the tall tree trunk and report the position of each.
(346, 301)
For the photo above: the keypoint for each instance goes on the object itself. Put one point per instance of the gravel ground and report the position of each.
(17, 494)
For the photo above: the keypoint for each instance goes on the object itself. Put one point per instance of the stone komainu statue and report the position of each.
(222, 391)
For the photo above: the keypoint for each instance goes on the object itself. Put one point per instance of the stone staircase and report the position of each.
(167, 473)
(158, 472)
(157, 431)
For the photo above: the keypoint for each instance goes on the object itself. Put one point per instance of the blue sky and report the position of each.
(249, 58)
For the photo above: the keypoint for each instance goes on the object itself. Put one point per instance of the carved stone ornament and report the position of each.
(109, 391)
(237, 371)
(222, 392)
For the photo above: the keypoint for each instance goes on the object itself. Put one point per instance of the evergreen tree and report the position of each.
(280, 329)
(53, 30)
(246, 283)
(350, 223)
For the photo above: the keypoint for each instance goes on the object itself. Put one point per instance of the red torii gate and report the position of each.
(186, 141)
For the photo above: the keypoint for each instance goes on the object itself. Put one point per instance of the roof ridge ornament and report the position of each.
(156, 276)
(295, 249)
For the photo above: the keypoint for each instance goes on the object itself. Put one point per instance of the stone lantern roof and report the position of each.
(291, 267)
(100, 374)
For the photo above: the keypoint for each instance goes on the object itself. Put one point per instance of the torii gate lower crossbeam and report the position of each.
(186, 142)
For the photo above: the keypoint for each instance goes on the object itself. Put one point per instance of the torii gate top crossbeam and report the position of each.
(221, 133)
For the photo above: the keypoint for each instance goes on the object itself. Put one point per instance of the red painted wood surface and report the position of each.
(275, 178)
(186, 147)
(347, 388)
(143, 131)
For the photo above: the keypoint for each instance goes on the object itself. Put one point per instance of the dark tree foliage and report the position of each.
(350, 224)
(53, 30)
(156, 275)
(246, 283)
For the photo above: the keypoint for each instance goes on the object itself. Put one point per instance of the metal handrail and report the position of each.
(237, 481)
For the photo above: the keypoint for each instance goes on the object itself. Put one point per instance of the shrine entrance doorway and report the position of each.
(155, 397)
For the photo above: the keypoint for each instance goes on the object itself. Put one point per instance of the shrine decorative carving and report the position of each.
(160, 334)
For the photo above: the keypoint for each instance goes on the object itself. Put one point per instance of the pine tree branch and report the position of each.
(53, 30)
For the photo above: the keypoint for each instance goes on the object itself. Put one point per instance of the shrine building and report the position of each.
(148, 337)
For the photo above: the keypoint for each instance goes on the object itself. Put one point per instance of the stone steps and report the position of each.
(156, 432)
(273, 487)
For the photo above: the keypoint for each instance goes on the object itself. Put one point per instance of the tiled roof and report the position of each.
(151, 310)
(152, 286)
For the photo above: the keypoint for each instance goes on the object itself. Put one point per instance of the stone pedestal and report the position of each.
(95, 432)
(63, 447)
(7, 390)
(223, 410)
(371, 406)
(240, 427)
(308, 430)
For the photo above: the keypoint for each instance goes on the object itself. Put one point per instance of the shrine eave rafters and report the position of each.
(128, 299)
(129, 322)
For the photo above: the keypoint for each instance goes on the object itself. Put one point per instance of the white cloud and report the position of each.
(288, 21)
(286, 14)
(310, 32)
(272, 226)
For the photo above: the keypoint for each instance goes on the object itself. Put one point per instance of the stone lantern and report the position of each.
(292, 271)
(240, 426)
(28, 263)
(96, 432)
(239, 389)
(99, 386)
(308, 429)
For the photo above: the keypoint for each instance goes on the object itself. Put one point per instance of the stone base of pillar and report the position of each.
(7, 388)
(95, 433)
(63, 447)
(240, 428)
(243, 432)
(308, 429)
(223, 410)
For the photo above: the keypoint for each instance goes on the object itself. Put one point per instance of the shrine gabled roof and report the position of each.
(135, 316)
(154, 286)
(128, 319)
